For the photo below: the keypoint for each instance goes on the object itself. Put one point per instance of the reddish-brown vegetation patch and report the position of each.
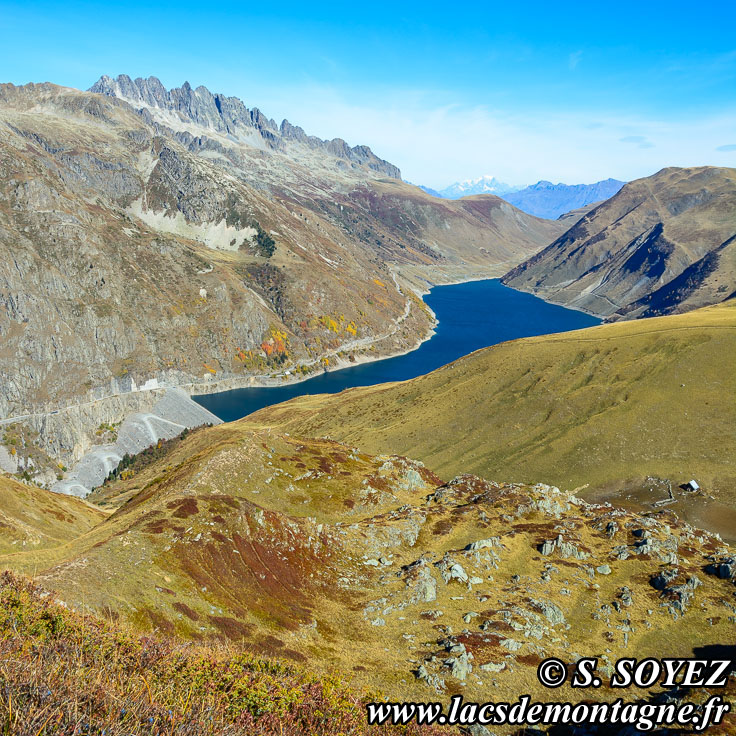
(186, 610)
(231, 628)
(442, 527)
(158, 621)
(156, 527)
(184, 507)
(379, 483)
(59, 682)
(429, 477)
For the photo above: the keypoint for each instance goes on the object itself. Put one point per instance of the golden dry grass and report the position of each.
(604, 408)
(34, 519)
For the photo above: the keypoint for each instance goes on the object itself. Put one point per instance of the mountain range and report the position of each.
(542, 199)
(665, 243)
(154, 237)
(482, 185)
(545, 199)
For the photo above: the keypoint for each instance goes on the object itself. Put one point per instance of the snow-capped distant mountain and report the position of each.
(542, 199)
(481, 185)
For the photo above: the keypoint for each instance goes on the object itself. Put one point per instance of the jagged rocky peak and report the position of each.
(216, 111)
(227, 115)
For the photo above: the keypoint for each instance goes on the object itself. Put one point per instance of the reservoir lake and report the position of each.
(472, 315)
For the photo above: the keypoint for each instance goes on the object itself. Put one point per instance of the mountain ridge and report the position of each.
(228, 115)
(545, 199)
(662, 244)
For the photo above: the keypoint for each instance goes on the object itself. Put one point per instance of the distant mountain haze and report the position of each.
(482, 185)
(543, 199)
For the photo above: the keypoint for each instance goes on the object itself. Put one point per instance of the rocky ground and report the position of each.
(313, 551)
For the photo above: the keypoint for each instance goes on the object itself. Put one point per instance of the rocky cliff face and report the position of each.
(663, 244)
(181, 239)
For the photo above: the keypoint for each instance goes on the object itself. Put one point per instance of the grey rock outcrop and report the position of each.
(228, 116)
(459, 666)
(724, 569)
(564, 549)
(451, 570)
(434, 681)
(483, 544)
(550, 610)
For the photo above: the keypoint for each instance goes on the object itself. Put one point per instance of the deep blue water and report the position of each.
(471, 316)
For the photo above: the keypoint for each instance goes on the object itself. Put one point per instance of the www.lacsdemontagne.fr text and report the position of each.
(553, 673)
(642, 716)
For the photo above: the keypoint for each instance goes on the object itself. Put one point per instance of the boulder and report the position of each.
(551, 611)
(483, 544)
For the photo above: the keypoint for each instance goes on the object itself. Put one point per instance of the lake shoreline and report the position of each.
(207, 388)
(215, 387)
(459, 326)
(558, 304)
(260, 381)
(467, 316)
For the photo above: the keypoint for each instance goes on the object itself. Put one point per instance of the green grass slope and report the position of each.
(605, 408)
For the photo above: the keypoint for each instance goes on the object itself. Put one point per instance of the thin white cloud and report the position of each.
(641, 140)
(436, 143)
(574, 59)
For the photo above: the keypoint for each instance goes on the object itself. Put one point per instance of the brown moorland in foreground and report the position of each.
(64, 674)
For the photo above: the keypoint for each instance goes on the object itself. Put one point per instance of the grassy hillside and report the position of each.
(34, 519)
(604, 408)
(315, 553)
(237, 535)
(63, 674)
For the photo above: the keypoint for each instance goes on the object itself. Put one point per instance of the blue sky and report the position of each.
(524, 91)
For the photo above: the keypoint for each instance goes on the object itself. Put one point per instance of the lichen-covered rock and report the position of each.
(564, 549)
(459, 666)
(550, 610)
(483, 544)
